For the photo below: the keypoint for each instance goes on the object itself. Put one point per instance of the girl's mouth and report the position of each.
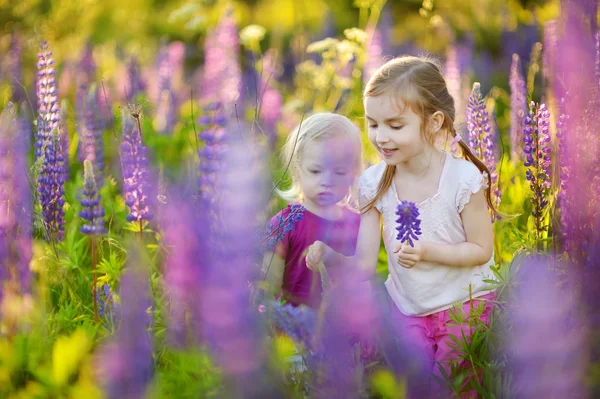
(388, 152)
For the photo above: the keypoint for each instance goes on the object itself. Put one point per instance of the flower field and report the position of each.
(139, 160)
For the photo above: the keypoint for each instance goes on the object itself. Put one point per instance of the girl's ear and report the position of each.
(436, 121)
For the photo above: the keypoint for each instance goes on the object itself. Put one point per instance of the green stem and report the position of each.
(94, 278)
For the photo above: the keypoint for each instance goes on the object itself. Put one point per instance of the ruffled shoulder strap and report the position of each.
(369, 180)
(470, 181)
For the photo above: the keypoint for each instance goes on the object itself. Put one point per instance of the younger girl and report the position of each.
(324, 157)
(408, 107)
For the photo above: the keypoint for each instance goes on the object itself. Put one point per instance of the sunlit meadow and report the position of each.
(139, 157)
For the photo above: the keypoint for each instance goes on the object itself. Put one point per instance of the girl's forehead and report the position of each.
(339, 149)
(386, 106)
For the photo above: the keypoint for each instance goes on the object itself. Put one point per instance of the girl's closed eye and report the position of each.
(396, 127)
(341, 172)
(314, 171)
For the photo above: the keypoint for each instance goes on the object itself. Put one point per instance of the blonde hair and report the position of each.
(418, 83)
(317, 127)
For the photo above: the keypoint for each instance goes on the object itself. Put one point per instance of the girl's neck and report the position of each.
(419, 165)
(331, 212)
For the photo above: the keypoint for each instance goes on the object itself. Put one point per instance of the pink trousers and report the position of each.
(431, 334)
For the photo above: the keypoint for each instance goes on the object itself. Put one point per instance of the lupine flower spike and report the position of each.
(409, 224)
(92, 213)
(518, 108)
(481, 136)
(537, 160)
(48, 147)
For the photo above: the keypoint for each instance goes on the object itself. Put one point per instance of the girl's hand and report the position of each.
(315, 255)
(408, 256)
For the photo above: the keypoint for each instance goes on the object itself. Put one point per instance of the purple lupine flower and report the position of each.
(549, 55)
(229, 326)
(165, 117)
(92, 142)
(552, 363)
(298, 322)
(564, 170)
(453, 77)
(374, 55)
(213, 134)
(481, 135)
(49, 146)
(222, 72)
(15, 206)
(50, 189)
(187, 234)
(537, 158)
(271, 100)
(135, 171)
(85, 76)
(135, 85)
(276, 231)
(105, 300)
(48, 107)
(409, 228)
(15, 70)
(125, 363)
(92, 211)
(597, 63)
(64, 141)
(518, 108)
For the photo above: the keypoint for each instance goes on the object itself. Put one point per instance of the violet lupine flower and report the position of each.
(105, 300)
(276, 231)
(48, 107)
(15, 70)
(15, 206)
(92, 142)
(271, 100)
(518, 108)
(409, 228)
(222, 72)
(230, 327)
(597, 63)
(92, 212)
(135, 172)
(125, 364)
(552, 363)
(565, 162)
(85, 76)
(49, 146)
(165, 118)
(452, 75)
(549, 48)
(50, 189)
(351, 323)
(537, 157)
(135, 85)
(64, 142)
(213, 134)
(374, 55)
(481, 135)
(298, 322)
(187, 234)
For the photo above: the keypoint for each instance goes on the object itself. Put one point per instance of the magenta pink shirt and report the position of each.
(300, 284)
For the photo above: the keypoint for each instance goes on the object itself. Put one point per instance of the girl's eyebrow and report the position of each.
(393, 119)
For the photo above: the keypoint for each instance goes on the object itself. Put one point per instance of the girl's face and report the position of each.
(396, 135)
(327, 169)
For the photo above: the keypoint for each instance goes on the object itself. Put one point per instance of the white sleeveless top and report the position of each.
(428, 287)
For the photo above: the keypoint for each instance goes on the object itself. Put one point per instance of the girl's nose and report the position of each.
(326, 180)
(381, 138)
